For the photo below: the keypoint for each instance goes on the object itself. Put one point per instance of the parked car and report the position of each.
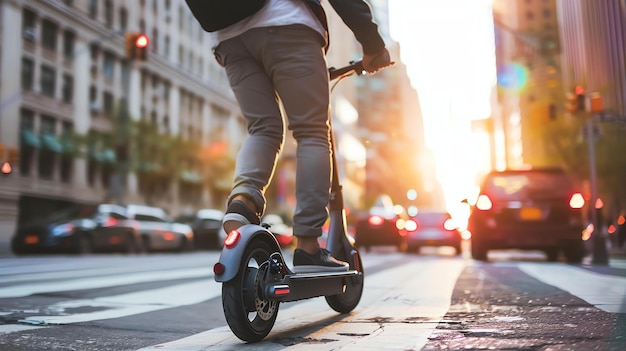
(79, 229)
(383, 225)
(433, 228)
(158, 231)
(531, 209)
(278, 227)
(208, 232)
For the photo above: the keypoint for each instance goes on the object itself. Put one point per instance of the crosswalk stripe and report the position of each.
(394, 313)
(604, 291)
(132, 303)
(102, 282)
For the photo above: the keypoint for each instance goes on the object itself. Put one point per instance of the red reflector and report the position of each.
(232, 239)
(218, 268)
(281, 290)
(114, 240)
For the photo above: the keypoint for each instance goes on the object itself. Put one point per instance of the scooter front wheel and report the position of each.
(249, 316)
(346, 302)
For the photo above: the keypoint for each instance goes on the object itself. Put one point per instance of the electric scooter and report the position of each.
(255, 277)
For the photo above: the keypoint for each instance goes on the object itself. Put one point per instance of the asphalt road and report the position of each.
(432, 301)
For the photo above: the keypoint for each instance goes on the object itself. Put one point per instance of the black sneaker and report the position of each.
(238, 214)
(321, 261)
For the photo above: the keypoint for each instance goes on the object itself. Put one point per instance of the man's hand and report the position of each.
(374, 63)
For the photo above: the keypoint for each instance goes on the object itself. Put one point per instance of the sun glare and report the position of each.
(448, 48)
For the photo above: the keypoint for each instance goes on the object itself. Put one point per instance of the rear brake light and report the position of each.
(232, 239)
(483, 203)
(400, 224)
(410, 225)
(577, 201)
(375, 220)
(109, 222)
(449, 224)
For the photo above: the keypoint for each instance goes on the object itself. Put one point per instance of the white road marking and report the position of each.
(102, 281)
(394, 313)
(603, 291)
(132, 303)
(12, 328)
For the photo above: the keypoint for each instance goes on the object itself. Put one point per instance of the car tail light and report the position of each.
(400, 224)
(232, 239)
(410, 225)
(109, 222)
(375, 220)
(577, 201)
(449, 224)
(483, 203)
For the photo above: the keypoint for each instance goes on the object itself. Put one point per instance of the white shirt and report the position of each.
(274, 13)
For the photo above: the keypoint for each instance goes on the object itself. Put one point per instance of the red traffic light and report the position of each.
(579, 90)
(6, 168)
(142, 41)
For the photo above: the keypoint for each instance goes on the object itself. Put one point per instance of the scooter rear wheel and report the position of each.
(248, 315)
(346, 302)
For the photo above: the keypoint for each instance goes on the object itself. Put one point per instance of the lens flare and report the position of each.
(513, 76)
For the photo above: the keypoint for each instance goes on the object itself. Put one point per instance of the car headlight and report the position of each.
(62, 229)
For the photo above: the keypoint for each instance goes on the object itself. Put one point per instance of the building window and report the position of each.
(107, 99)
(48, 80)
(109, 65)
(69, 41)
(49, 35)
(28, 74)
(29, 25)
(547, 13)
(108, 13)
(28, 141)
(93, 9)
(67, 161)
(47, 158)
(154, 41)
(123, 19)
(68, 88)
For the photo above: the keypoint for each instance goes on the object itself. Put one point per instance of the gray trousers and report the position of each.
(267, 67)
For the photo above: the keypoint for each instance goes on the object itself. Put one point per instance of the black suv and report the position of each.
(530, 209)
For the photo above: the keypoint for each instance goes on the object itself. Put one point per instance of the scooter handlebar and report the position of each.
(355, 67)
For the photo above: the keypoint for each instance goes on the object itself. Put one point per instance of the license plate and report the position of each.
(530, 213)
(31, 239)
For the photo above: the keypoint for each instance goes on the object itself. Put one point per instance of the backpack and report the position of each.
(214, 15)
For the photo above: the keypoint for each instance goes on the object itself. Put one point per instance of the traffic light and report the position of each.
(136, 46)
(579, 91)
(6, 168)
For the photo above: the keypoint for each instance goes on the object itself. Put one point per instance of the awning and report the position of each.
(51, 143)
(104, 156)
(30, 139)
(191, 177)
(108, 156)
(69, 148)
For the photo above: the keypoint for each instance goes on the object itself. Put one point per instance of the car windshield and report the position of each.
(527, 185)
(431, 219)
(74, 212)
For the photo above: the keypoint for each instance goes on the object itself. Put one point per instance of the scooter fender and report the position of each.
(230, 257)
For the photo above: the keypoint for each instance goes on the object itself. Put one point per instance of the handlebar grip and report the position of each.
(354, 66)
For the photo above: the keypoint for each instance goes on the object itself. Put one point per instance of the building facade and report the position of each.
(71, 101)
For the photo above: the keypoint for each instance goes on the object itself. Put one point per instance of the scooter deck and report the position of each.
(302, 286)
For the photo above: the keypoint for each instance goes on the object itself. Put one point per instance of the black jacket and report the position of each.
(357, 15)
